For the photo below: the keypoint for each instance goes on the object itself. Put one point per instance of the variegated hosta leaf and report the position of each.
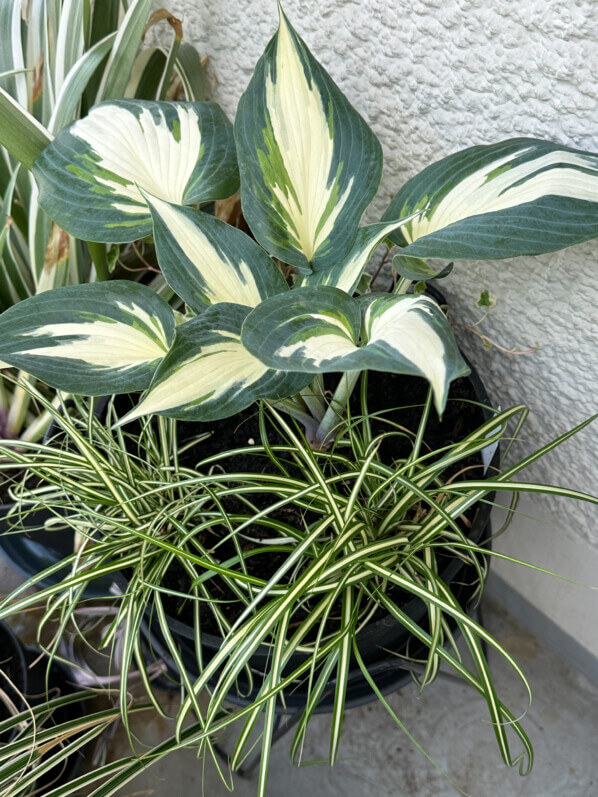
(411, 335)
(305, 330)
(519, 197)
(104, 337)
(309, 163)
(318, 330)
(207, 261)
(416, 269)
(347, 271)
(209, 374)
(91, 176)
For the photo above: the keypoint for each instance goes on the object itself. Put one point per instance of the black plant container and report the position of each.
(379, 643)
(13, 677)
(374, 641)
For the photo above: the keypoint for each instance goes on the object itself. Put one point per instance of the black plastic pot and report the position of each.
(34, 685)
(374, 641)
(379, 643)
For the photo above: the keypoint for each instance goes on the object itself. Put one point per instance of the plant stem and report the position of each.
(313, 396)
(305, 419)
(19, 404)
(99, 257)
(383, 260)
(337, 406)
(402, 286)
(417, 443)
(490, 342)
(366, 428)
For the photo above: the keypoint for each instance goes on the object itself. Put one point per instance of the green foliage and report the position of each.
(139, 510)
(55, 63)
(518, 197)
(262, 318)
(486, 299)
(43, 744)
(132, 166)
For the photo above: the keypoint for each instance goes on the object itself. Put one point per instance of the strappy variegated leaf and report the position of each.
(192, 72)
(318, 330)
(11, 51)
(207, 261)
(70, 40)
(90, 178)
(20, 132)
(209, 374)
(309, 163)
(130, 34)
(75, 83)
(89, 339)
(519, 197)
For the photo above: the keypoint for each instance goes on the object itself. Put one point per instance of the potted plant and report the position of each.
(327, 513)
(47, 82)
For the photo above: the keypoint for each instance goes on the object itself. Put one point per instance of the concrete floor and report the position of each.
(448, 720)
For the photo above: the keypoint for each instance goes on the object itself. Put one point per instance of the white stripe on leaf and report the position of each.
(556, 173)
(101, 344)
(139, 315)
(141, 150)
(221, 279)
(405, 328)
(399, 334)
(217, 370)
(320, 347)
(348, 272)
(91, 178)
(308, 189)
(209, 374)
(318, 350)
(92, 339)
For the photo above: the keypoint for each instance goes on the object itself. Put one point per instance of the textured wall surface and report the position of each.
(432, 77)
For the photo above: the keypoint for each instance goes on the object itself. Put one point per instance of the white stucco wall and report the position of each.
(432, 77)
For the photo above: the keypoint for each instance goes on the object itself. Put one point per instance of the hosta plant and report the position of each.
(308, 166)
(267, 316)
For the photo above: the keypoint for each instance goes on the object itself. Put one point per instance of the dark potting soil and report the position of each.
(405, 395)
